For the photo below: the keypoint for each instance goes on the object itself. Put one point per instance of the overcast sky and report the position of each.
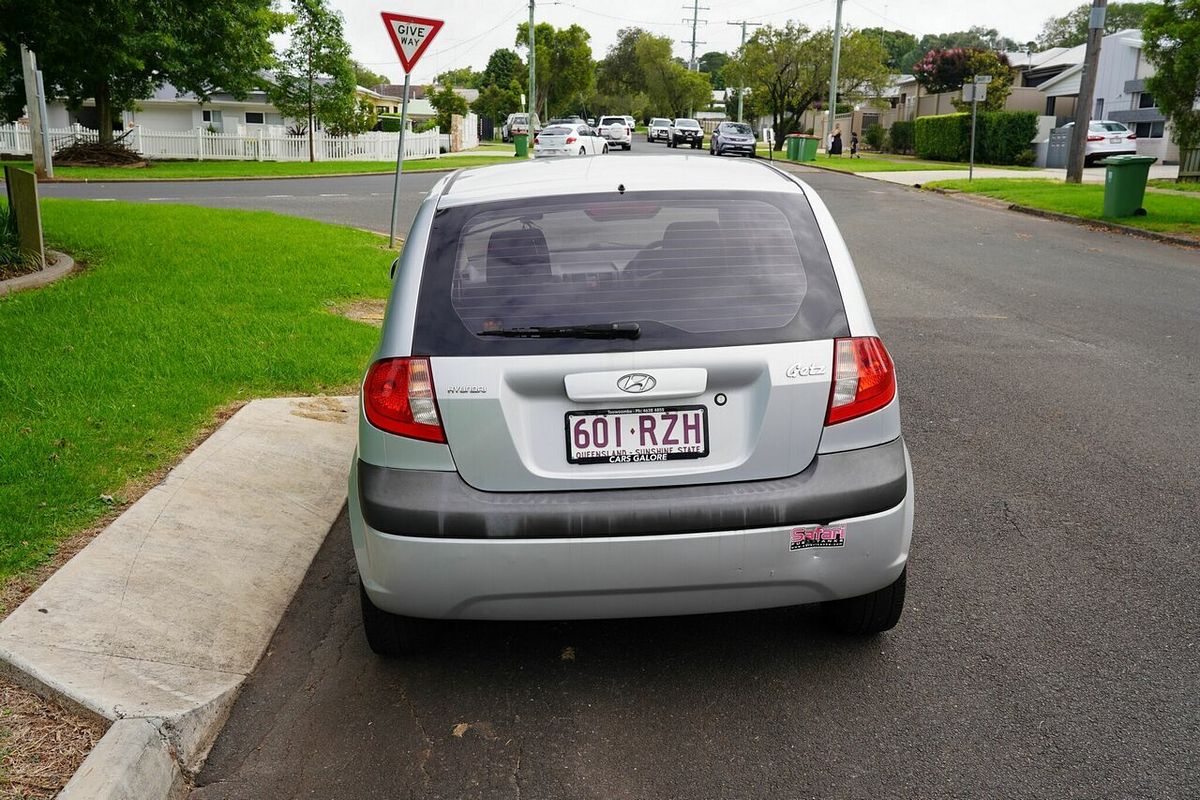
(474, 28)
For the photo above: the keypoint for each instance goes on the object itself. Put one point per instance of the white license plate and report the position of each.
(637, 435)
(1115, 139)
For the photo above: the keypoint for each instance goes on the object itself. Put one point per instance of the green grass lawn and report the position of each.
(1177, 186)
(109, 375)
(1166, 213)
(183, 170)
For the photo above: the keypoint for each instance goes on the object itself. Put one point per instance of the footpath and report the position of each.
(157, 622)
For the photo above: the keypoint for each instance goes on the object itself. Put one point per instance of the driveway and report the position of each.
(1049, 379)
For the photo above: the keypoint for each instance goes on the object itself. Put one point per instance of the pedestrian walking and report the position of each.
(854, 145)
(835, 141)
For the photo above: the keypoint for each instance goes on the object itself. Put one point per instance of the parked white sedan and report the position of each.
(576, 139)
(1107, 138)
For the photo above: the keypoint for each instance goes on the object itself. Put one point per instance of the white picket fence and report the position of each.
(258, 145)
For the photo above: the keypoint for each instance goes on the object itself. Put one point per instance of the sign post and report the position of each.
(411, 37)
(978, 91)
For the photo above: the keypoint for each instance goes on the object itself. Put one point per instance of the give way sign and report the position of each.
(410, 36)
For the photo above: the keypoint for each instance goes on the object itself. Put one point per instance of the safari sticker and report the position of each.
(803, 538)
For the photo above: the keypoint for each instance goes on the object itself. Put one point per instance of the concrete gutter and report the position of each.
(157, 622)
(63, 264)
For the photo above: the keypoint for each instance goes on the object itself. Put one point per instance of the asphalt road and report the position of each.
(1049, 378)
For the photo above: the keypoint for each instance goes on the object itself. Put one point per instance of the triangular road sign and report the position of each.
(410, 36)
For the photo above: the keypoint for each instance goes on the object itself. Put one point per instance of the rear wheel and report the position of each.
(391, 635)
(871, 613)
(605, 150)
(583, 151)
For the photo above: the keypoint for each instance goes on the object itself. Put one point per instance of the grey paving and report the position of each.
(1049, 380)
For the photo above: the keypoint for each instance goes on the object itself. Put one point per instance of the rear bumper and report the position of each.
(581, 576)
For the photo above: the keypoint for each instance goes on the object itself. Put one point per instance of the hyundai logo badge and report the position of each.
(636, 383)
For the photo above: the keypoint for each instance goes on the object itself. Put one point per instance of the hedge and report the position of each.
(901, 137)
(1000, 136)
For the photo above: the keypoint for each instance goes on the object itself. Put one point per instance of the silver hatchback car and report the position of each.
(621, 389)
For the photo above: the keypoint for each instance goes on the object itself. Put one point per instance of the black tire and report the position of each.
(697, 145)
(583, 151)
(869, 614)
(629, 146)
(390, 635)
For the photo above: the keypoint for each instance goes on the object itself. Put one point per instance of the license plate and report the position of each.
(637, 435)
(1115, 139)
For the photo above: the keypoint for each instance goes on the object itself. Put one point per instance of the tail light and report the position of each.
(398, 397)
(863, 379)
(537, 140)
(570, 140)
(1131, 136)
(1095, 138)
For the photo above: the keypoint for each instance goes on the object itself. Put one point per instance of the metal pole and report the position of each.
(34, 111)
(1087, 90)
(742, 89)
(532, 73)
(399, 161)
(833, 73)
(974, 114)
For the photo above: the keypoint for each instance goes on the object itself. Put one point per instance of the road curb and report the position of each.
(63, 264)
(1114, 227)
(159, 636)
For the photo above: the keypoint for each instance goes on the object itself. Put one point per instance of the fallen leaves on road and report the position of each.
(568, 653)
(484, 729)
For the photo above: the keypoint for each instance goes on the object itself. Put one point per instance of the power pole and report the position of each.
(35, 102)
(532, 72)
(1087, 91)
(693, 65)
(742, 89)
(833, 72)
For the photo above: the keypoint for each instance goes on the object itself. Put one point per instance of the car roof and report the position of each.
(551, 177)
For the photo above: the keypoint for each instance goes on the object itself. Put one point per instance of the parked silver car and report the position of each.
(614, 388)
(732, 137)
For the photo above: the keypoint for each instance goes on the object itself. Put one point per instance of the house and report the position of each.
(169, 110)
(1120, 93)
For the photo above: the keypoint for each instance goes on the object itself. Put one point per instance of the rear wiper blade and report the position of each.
(607, 330)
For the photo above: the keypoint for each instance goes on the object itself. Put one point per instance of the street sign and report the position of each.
(973, 92)
(410, 36)
(984, 79)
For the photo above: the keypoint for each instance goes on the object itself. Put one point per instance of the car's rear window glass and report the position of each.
(612, 120)
(693, 269)
(557, 131)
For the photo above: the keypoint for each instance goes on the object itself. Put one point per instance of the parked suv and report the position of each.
(590, 401)
(658, 129)
(617, 132)
(732, 137)
(686, 131)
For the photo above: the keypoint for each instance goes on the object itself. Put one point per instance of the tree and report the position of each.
(503, 67)
(496, 101)
(1172, 36)
(464, 77)
(787, 71)
(672, 88)
(118, 52)
(359, 117)
(366, 78)
(314, 77)
(989, 62)
(446, 102)
(565, 74)
(620, 72)
(976, 37)
(713, 63)
(896, 43)
(1072, 28)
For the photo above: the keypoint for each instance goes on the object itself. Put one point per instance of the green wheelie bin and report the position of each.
(1125, 184)
(521, 140)
(792, 142)
(808, 147)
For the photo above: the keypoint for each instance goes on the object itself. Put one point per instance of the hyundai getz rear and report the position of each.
(622, 389)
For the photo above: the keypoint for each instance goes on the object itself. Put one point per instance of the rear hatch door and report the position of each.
(735, 306)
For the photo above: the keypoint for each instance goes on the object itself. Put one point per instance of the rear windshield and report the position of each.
(520, 119)
(1109, 126)
(558, 130)
(693, 269)
(611, 120)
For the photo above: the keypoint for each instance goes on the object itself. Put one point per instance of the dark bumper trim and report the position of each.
(440, 504)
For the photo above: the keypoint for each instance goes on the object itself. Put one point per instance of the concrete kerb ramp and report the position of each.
(158, 621)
